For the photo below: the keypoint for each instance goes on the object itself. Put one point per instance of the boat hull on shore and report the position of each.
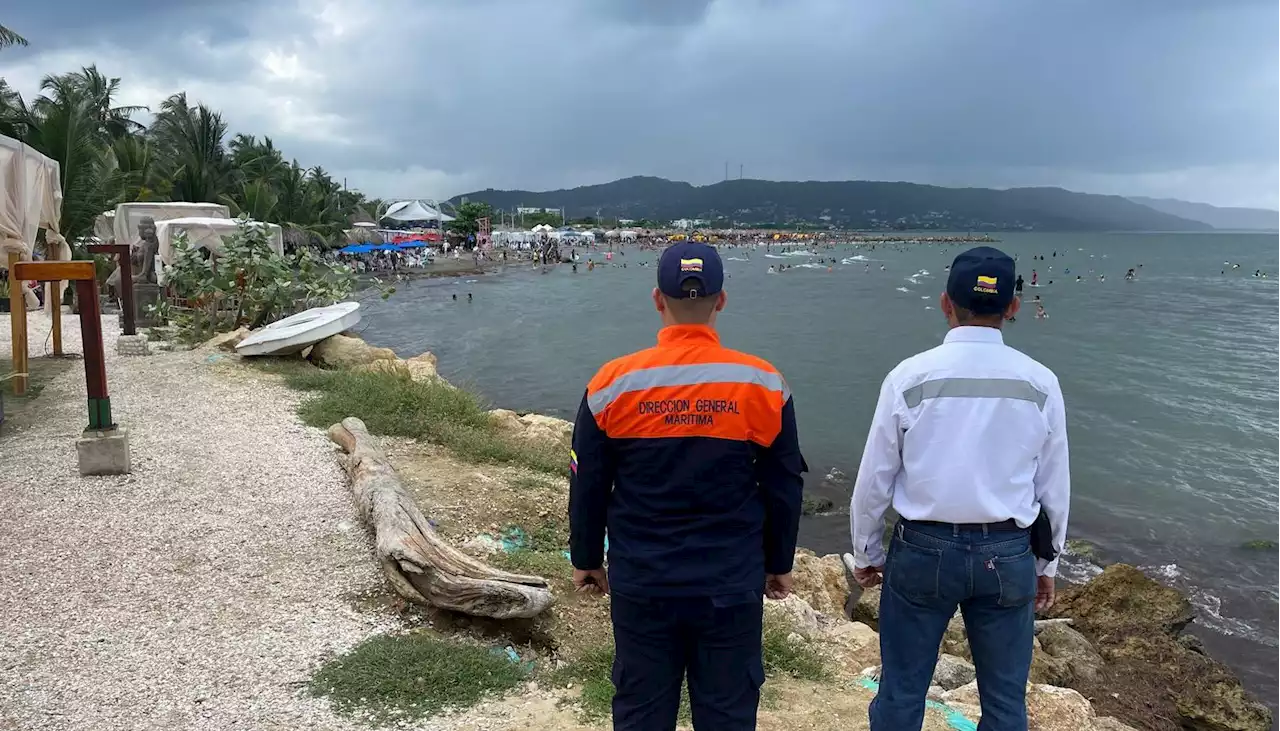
(296, 332)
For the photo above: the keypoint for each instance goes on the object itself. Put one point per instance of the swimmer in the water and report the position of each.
(1040, 313)
(882, 267)
(1079, 278)
(468, 296)
(455, 298)
(1017, 287)
(1102, 277)
(1129, 275)
(1034, 278)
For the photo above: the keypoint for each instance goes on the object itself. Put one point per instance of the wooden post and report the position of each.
(126, 282)
(95, 364)
(18, 325)
(51, 292)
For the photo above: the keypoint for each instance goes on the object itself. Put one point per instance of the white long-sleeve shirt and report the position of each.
(971, 431)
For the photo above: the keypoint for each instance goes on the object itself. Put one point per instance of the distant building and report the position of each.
(688, 223)
(626, 221)
(523, 211)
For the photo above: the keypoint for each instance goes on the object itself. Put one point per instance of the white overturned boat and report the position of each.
(293, 333)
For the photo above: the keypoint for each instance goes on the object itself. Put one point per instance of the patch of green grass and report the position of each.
(396, 405)
(525, 482)
(593, 672)
(547, 564)
(786, 656)
(393, 677)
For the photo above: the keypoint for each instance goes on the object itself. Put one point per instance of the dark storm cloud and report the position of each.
(54, 24)
(653, 12)
(513, 93)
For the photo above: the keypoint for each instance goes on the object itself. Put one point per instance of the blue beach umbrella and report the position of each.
(356, 249)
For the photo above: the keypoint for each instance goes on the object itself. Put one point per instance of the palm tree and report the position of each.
(115, 121)
(62, 125)
(190, 143)
(9, 38)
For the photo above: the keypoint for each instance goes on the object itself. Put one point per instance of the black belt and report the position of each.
(1004, 525)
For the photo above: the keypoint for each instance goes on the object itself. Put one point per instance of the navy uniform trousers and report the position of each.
(715, 640)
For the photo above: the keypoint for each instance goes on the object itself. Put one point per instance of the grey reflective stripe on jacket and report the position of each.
(686, 375)
(1010, 388)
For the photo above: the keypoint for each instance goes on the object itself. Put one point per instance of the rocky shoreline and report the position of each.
(1112, 654)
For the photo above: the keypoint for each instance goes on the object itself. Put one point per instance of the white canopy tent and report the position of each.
(416, 210)
(30, 199)
(127, 215)
(628, 235)
(542, 227)
(207, 233)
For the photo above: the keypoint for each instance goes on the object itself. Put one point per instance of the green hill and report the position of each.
(853, 204)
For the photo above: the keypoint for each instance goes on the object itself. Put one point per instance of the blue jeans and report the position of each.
(716, 641)
(991, 576)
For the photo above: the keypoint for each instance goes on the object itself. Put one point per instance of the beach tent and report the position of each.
(207, 233)
(32, 199)
(127, 215)
(415, 210)
(542, 228)
(628, 235)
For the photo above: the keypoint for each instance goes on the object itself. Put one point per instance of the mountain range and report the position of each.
(857, 204)
(1237, 219)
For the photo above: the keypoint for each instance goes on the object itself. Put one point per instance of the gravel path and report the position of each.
(196, 593)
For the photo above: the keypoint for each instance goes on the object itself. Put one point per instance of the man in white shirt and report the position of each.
(969, 446)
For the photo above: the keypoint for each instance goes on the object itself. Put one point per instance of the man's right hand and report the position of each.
(777, 586)
(1044, 593)
(869, 576)
(595, 581)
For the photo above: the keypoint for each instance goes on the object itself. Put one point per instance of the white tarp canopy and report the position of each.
(127, 215)
(415, 210)
(627, 235)
(207, 233)
(30, 198)
(542, 227)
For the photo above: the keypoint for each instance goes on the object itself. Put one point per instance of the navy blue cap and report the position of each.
(687, 260)
(982, 280)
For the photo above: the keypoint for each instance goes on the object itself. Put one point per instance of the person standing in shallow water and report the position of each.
(968, 444)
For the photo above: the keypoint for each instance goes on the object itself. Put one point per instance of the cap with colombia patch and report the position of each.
(982, 280)
(690, 260)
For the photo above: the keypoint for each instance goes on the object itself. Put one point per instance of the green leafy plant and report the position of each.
(249, 283)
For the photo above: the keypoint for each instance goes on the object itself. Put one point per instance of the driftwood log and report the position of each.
(421, 566)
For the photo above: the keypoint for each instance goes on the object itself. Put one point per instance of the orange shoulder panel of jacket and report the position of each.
(616, 367)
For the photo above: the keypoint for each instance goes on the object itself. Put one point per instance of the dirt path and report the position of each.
(197, 592)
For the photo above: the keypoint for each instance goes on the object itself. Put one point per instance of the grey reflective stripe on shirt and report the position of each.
(975, 388)
(686, 375)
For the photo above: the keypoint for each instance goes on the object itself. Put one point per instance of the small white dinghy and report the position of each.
(293, 333)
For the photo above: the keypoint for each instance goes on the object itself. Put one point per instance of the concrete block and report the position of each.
(104, 452)
(132, 345)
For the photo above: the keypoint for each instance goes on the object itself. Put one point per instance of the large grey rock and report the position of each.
(1082, 662)
(794, 611)
(867, 608)
(951, 672)
(344, 351)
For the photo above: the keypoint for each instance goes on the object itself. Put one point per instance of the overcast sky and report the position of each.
(1174, 98)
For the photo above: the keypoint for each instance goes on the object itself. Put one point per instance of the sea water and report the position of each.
(1170, 381)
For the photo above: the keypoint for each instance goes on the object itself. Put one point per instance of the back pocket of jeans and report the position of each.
(913, 570)
(1017, 575)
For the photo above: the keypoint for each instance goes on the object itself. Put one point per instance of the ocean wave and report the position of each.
(855, 257)
(734, 258)
(788, 254)
(903, 289)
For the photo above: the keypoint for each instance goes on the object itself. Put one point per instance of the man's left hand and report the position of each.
(868, 577)
(595, 581)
